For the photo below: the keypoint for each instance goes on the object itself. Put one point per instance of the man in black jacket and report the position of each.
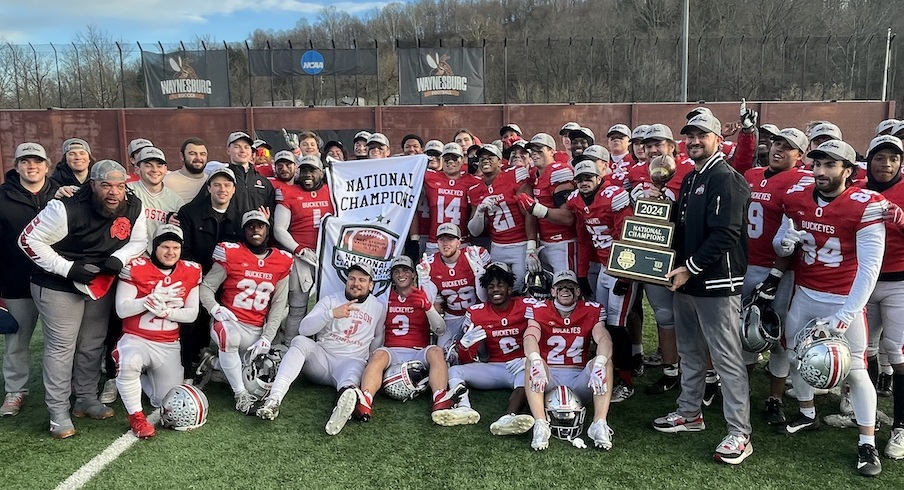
(711, 246)
(24, 194)
(252, 190)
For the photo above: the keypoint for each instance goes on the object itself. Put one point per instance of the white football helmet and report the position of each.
(184, 408)
(565, 412)
(406, 380)
(823, 361)
(762, 328)
(258, 373)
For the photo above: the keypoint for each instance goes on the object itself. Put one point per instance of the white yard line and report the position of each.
(93, 467)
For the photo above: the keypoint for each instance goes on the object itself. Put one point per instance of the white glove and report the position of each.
(423, 270)
(291, 139)
(538, 377)
(488, 205)
(748, 116)
(832, 325)
(167, 293)
(259, 348)
(307, 255)
(222, 314)
(156, 306)
(579, 443)
(472, 335)
(533, 257)
(638, 193)
(515, 366)
(598, 376)
(791, 238)
(175, 303)
(473, 256)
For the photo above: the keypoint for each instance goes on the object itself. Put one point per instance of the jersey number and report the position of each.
(149, 321)
(253, 296)
(450, 213)
(829, 254)
(558, 352)
(502, 217)
(401, 324)
(755, 220)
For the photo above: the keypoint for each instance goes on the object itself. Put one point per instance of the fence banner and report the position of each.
(187, 78)
(375, 201)
(441, 76)
(323, 62)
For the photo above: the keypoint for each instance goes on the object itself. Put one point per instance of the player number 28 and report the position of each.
(253, 296)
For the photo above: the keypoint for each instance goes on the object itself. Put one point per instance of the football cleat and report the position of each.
(205, 368)
(363, 410)
(455, 416)
(884, 385)
(663, 384)
(801, 422)
(713, 383)
(674, 422)
(244, 401)
(775, 415)
(601, 434)
(868, 463)
(733, 449)
(512, 424)
(895, 447)
(845, 406)
(342, 411)
(269, 410)
(542, 432)
(108, 394)
(446, 399)
(140, 426)
(621, 393)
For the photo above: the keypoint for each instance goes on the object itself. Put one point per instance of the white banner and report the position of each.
(375, 202)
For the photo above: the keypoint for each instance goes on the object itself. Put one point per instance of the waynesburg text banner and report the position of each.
(441, 76)
(186, 78)
(324, 62)
(375, 201)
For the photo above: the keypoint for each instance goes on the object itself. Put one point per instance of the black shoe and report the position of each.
(800, 423)
(884, 385)
(868, 463)
(775, 415)
(711, 389)
(637, 364)
(663, 384)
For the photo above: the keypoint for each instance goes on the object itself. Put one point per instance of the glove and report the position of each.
(309, 256)
(259, 348)
(621, 288)
(515, 366)
(168, 293)
(83, 272)
(423, 270)
(792, 238)
(638, 193)
(586, 290)
(894, 215)
(472, 336)
(533, 257)
(831, 325)
(420, 300)
(749, 119)
(538, 377)
(766, 290)
(111, 266)
(291, 139)
(175, 304)
(222, 314)
(156, 306)
(530, 205)
(473, 256)
(508, 142)
(597, 381)
(488, 205)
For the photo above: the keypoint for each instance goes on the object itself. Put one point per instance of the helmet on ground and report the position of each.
(822, 361)
(258, 373)
(538, 285)
(565, 412)
(406, 380)
(184, 408)
(762, 328)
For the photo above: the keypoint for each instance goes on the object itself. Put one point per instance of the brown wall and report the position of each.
(108, 131)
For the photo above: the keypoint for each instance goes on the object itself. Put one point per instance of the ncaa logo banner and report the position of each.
(441, 76)
(186, 78)
(375, 202)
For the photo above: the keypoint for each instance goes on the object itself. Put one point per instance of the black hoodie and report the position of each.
(63, 175)
(18, 206)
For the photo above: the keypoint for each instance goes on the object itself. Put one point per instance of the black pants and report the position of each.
(194, 337)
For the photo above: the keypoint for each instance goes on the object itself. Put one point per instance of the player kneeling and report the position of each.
(490, 349)
(410, 318)
(557, 343)
(154, 295)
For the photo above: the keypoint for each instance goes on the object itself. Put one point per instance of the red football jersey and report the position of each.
(406, 326)
(507, 220)
(504, 328)
(447, 201)
(456, 283)
(250, 280)
(764, 214)
(308, 209)
(144, 275)
(639, 175)
(566, 341)
(604, 217)
(828, 260)
(893, 261)
(544, 185)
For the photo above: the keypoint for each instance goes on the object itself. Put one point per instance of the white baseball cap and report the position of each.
(568, 127)
(543, 139)
(835, 149)
(621, 129)
(31, 150)
(886, 125)
(238, 135)
(795, 137)
(826, 129)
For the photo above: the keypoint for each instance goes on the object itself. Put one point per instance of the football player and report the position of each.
(349, 326)
(490, 350)
(557, 343)
(154, 294)
(247, 314)
(410, 319)
(455, 282)
(446, 194)
(296, 226)
(510, 226)
(841, 234)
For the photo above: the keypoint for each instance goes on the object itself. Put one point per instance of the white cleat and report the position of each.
(511, 425)
(455, 416)
(342, 412)
(601, 434)
(540, 441)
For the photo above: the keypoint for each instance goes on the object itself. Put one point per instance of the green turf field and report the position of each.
(401, 448)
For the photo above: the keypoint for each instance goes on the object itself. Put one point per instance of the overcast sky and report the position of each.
(58, 21)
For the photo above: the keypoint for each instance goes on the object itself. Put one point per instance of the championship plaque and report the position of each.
(643, 253)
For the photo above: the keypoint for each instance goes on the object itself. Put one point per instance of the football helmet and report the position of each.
(823, 361)
(538, 285)
(762, 328)
(565, 412)
(184, 408)
(406, 380)
(258, 373)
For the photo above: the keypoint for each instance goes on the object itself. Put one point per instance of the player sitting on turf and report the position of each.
(410, 318)
(253, 304)
(557, 343)
(349, 326)
(490, 349)
(154, 294)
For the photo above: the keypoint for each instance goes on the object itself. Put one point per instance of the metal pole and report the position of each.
(37, 76)
(100, 72)
(888, 38)
(685, 32)
(292, 75)
(248, 69)
(15, 77)
(78, 65)
(56, 60)
(272, 98)
(122, 76)
(505, 70)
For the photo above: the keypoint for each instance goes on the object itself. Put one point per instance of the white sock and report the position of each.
(231, 365)
(864, 439)
(129, 389)
(809, 412)
(863, 397)
(289, 369)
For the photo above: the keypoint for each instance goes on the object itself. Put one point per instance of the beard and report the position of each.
(102, 209)
(190, 169)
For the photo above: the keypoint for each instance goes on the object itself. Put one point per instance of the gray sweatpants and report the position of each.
(74, 330)
(702, 325)
(15, 353)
